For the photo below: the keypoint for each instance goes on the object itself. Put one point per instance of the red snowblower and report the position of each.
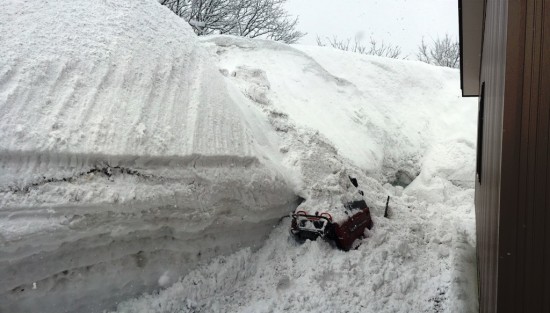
(343, 232)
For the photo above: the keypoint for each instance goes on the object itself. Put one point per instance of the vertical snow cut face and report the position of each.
(125, 158)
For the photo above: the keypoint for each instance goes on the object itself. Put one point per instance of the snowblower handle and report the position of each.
(313, 217)
(386, 211)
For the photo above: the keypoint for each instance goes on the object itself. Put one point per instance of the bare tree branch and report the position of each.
(442, 52)
(375, 48)
(247, 18)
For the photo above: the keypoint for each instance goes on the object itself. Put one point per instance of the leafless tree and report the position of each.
(205, 16)
(247, 18)
(442, 52)
(374, 48)
(269, 18)
(176, 6)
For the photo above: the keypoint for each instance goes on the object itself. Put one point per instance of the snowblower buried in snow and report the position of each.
(343, 232)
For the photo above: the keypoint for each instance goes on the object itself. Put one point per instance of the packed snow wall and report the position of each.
(125, 158)
(79, 256)
(341, 113)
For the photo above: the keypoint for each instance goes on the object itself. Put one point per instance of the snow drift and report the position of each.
(131, 152)
(377, 116)
(381, 114)
(403, 130)
(125, 157)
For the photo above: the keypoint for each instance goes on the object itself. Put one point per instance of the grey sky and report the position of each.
(399, 22)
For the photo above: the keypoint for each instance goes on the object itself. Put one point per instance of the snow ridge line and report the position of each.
(106, 171)
(150, 161)
(244, 44)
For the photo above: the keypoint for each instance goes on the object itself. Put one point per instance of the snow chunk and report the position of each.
(447, 165)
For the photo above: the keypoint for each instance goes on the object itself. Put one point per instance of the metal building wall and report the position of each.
(524, 270)
(489, 182)
(513, 198)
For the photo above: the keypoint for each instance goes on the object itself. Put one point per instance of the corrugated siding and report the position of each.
(526, 255)
(513, 199)
(488, 192)
(510, 221)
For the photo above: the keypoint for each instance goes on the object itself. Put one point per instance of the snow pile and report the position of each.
(130, 152)
(125, 158)
(446, 164)
(386, 122)
(382, 114)
(379, 116)
(405, 265)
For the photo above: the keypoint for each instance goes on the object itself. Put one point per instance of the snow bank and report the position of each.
(386, 122)
(382, 114)
(130, 152)
(125, 158)
(445, 165)
(410, 263)
(355, 114)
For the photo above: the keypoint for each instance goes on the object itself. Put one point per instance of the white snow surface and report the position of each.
(74, 84)
(131, 151)
(381, 116)
(403, 130)
(125, 157)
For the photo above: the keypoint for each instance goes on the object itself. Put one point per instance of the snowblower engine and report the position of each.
(344, 234)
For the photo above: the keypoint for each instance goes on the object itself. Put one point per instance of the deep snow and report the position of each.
(386, 122)
(131, 151)
(380, 116)
(125, 157)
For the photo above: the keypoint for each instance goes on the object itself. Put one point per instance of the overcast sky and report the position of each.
(399, 22)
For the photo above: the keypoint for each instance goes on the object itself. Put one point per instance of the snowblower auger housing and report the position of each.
(344, 234)
(311, 226)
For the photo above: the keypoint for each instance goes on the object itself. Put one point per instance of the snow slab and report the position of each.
(131, 151)
(403, 130)
(125, 158)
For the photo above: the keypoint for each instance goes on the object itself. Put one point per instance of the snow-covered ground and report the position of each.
(125, 157)
(131, 151)
(390, 123)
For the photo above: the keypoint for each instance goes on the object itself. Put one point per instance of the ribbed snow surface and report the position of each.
(124, 157)
(361, 113)
(379, 120)
(117, 78)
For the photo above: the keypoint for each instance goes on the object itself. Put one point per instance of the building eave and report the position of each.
(470, 32)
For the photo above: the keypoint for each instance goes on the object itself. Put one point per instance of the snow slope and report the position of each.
(131, 152)
(402, 129)
(381, 115)
(123, 153)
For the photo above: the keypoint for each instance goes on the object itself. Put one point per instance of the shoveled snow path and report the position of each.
(421, 259)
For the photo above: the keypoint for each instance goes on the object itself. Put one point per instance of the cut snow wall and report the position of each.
(79, 257)
(125, 159)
